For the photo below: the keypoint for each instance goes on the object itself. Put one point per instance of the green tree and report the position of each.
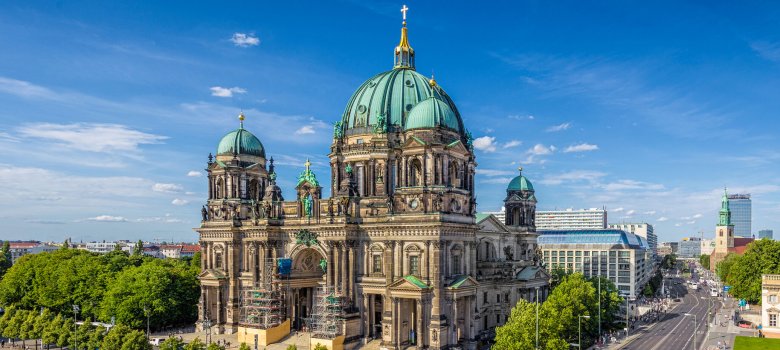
(172, 343)
(744, 272)
(115, 337)
(245, 347)
(96, 338)
(14, 327)
(704, 260)
(5, 320)
(292, 347)
(135, 340)
(5, 258)
(519, 332)
(65, 333)
(573, 297)
(42, 320)
(319, 346)
(51, 332)
(83, 332)
(610, 304)
(196, 344)
(138, 249)
(214, 346)
(195, 262)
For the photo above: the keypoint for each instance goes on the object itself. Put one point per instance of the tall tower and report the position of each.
(724, 233)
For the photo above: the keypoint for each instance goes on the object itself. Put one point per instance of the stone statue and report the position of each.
(330, 206)
(324, 265)
(508, 253)
(437, 203)
(390, 203)
(379, 127)
(267, 209)
(204, 213)
(255, 211)
(307, 204)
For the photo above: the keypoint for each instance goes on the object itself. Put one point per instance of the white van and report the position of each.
(713, 292)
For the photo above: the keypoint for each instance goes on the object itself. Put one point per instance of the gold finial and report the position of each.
(432, 82)
(241, 118)
(520, 169)
(307, 164)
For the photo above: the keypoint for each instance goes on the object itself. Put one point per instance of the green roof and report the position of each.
(520, 183)
(240, 141)
(393, 94)
(527, 273)
(458, 281)
(482, 216)
(432, 113)
(415, 281)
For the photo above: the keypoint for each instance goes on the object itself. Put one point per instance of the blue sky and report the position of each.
(109, 109)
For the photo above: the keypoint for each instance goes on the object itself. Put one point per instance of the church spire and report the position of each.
(725, 212)
(404, 54)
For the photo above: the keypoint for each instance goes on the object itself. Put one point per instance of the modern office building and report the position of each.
(765, 234)
(500, 215)
(741, 214)
(19, 249)
(571, 219)
(667, 248)
(621, 256)
(641, 229)
(689, 247)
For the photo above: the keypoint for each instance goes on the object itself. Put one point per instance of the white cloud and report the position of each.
(691, 222)
(541, 150)
(521, 117)
(108, 218)
(180, 202)
(677, 224)
(245, 40)
(226, 92)
(306, 129)
(496, 180)
(513, 143)
(560, 127)
(623, 185)
(617, 210)
(493, 172)
(768, 50)
(650, 212)
(662, 219)
(583, 147)
(194, 173)
(91, 137)
(697, 216)
(167, 188)
(630, 212)
(485, 143)
(573, 176)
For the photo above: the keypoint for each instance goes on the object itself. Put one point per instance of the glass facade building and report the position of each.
(741, 214)
(765, 234)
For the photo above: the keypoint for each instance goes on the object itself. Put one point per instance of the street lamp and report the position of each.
(695, 329)
(75, 319)
(537, 318)
(146, 312)
(579, 331)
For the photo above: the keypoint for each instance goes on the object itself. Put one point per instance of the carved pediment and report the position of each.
(408, 283)
(463, 282)
(414, 141)
(457, 147)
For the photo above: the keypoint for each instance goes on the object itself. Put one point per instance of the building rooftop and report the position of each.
(607, 236)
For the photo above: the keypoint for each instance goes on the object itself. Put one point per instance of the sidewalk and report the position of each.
(723, 329)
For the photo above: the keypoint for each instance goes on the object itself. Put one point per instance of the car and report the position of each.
(745, 324)
(676, 300)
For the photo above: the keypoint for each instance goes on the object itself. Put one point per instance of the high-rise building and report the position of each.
(690, 247)
(571, 219)
(741, 214)
(765, 234)
(641, 229)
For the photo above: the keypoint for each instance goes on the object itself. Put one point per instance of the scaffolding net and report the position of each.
(327, 317)
(262, 306)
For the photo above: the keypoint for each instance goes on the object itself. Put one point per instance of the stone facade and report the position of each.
(397, 241)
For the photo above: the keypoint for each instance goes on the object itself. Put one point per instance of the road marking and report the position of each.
(678, 325)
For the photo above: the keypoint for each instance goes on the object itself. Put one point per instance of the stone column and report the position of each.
(426, 262)
(418, 329)
(344, 269)
(397, 318)
(352, 273)
(366, 315)
(400, 259)
(390, 262)
(329, 272)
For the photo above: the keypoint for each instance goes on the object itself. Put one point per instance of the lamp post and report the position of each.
(537, 318)
(75, 319)
(599, 308)
(146, 312)
(579, 331)
(695, 329)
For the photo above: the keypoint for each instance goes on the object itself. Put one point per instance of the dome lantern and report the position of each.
(404, 53)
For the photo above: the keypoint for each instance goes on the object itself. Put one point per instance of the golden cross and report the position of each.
(404, 9)
(307, 164)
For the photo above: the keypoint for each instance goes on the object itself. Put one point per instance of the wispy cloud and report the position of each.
(583, 147)
(167, 188)
(494, 172)
(617, 210)
(180, 202)
(513, 143)
(91, 137)
(485, 143)
(219, 91)
(662, 219)
(767, 50)
(538, 151)
(306, 129)
(573, 176)
(245, 40)
(108, 218)
(559, 127)
(194, 173)
(622, 185)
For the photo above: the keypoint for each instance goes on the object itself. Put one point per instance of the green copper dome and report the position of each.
(240, 141)
(520, 183)
(432, 113)
(393, 95)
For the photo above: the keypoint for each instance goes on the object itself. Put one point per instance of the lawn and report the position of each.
(751, 343)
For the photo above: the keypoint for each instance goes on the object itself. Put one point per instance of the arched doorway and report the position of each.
(305, 277)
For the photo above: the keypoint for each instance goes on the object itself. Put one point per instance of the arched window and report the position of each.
(220, 188)
(218, 260)
(452, 175)
(253, 190)
(415, 173)
(721, 233)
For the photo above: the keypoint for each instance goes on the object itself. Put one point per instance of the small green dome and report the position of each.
(393, 94)
(520, 183)
(240, 142)
(432, 113)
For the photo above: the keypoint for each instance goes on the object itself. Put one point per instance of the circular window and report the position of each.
(409, 107)
(362, 109)
(409, 83)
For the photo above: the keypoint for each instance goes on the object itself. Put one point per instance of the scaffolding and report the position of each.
(327, 317)
(262, 306)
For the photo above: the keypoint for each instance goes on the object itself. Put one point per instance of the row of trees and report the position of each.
(704, 260)
(558, 318)
(743, 272)
(5, 258)
(110, 287)
(60, 331)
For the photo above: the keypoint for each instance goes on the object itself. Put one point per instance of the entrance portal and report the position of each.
(305, 277)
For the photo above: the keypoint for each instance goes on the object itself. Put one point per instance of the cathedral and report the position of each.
(397, 253)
